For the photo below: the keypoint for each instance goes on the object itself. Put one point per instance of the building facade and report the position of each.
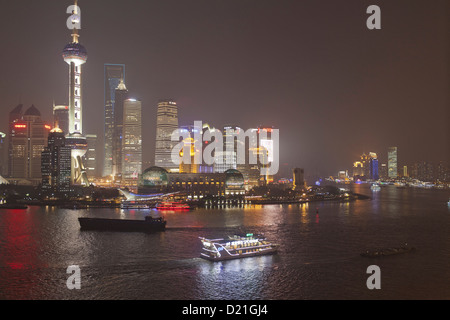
(120, 96)
(113, 74)
(132, 140)
(61, 118)
(56, 165)
(27, 141)
(194, 185)
(392, 163)
(166, 123)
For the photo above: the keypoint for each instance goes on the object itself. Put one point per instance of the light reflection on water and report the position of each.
(318, 251)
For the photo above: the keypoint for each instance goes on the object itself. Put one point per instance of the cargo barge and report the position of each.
(149, 224)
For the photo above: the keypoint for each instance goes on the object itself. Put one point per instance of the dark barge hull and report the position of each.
(122, 225)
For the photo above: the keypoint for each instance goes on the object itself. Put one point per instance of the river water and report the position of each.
(319, 255)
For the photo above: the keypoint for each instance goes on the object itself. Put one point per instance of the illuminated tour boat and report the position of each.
(236, 247)
(167, 205)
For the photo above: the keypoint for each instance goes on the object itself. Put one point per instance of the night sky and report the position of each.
(312, 69)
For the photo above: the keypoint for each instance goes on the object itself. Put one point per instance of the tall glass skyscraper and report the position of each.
(113, 74)
(392, 162)
(56, 164)
(132, 140)
(120, 96)
(166, 123)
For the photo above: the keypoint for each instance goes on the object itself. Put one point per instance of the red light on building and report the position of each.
(20, 126)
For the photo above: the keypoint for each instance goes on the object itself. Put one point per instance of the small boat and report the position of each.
(149, 224)
(173, 206)
(375, 187)
(235, 247)
(13, 206)
(387, 252)
(134, 205)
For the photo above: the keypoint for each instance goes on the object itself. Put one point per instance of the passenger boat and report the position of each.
(149, 224)
(235, 247)
(375, 187)
(134, 205)
(387, 252)
(173, 206)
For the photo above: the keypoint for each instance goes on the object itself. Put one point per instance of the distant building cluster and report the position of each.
(368, 168)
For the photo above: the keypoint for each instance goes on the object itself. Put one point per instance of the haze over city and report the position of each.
(312, 69)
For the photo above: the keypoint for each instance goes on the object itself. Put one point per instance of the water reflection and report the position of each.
(235, 279)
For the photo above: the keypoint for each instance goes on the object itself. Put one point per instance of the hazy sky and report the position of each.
(308, 67)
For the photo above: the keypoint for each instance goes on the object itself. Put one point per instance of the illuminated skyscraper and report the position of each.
(166, 123)
(27, 141)
(61, 118)
(14, 116)
(121, 95)
(132, 140)
(373, 166)
(56, 164)
(392, 162)
(75, 55)
(113, 75)
(2, 153)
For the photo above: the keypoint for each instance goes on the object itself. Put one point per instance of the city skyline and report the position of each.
(330, 102)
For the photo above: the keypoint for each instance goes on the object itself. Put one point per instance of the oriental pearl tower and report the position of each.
(76, 55)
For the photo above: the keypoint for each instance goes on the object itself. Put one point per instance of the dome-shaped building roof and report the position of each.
(154, 177)
(32, 111)
(234, 179)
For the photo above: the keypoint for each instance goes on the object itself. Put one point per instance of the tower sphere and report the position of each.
(74, 52)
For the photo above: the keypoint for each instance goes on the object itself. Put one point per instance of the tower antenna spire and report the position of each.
(75, 12)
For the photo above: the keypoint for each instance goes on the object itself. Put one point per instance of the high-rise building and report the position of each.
(90, 158)
(15, 116)
(227, 158)
(27, 141)
(392, 163)
(383, 171)
(75, 55)
(56, 164)
(298, 178)
(373, 166)
(113, 75)
(132, 140)
(166, 123)
(121, 95)
(3, 166)
(405, 171)
(61, 118)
